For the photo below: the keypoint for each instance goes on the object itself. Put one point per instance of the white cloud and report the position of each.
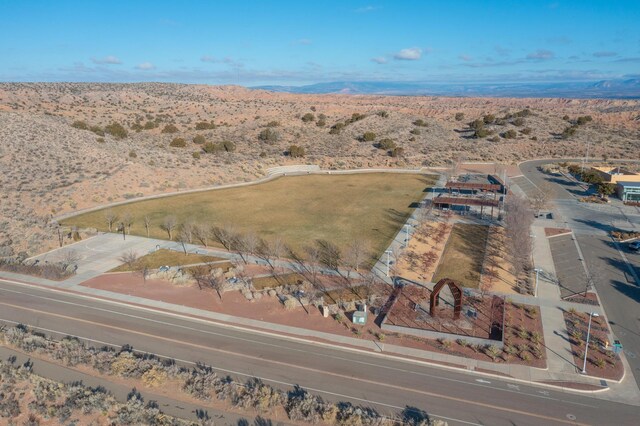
(541, 55)
(410, 54)
(145, 66)
(379, 60)
(466, 58)
(107, 60)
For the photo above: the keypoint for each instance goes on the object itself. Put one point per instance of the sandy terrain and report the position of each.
(49, 167)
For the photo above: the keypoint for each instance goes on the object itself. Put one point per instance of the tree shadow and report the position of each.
(631, 291)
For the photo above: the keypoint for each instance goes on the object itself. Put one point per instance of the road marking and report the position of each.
(395, 358)
(482, 381)
(285, 364)
(265, 379)
(512, 386)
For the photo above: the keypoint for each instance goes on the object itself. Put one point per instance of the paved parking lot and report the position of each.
(98, 254)
(525, 184)
(569, 270)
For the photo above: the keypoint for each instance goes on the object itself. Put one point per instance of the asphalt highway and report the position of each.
(385, 383)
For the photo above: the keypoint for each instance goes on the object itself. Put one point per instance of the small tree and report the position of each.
(170, 128)
(116, 130)
(127, 221)
(605, 189)
(356, 253)
(169, 224)
(201, 233)
(111, 217)
(308, 117)
(178, 143)
(147, 224)
(129, 258)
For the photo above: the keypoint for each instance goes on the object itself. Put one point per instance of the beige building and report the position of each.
(616, 174)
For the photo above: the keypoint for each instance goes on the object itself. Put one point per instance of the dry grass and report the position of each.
(350, 294)
(164, 257)
(261, 283)
(463, 255)
(301, 209)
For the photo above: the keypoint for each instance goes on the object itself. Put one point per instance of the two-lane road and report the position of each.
(385, 383)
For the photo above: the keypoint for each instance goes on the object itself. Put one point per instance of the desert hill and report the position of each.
(66, 146)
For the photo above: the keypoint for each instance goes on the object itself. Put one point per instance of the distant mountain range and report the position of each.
(611, 89)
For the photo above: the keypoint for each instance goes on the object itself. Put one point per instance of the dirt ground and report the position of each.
(496, 270)
(419, 261)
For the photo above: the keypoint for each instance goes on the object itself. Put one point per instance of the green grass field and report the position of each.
(463, 255)
(299, 209)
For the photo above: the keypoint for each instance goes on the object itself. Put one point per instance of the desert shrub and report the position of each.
(415, 131)
(600, 363)
(269, 135)
(386, 144)
(228, 146)
(296, 151)
(336, 128)
(178, 143)
(196, 155)
(568, 132)
(356, 117)
(397, 151)
(526, 131)
(495, 139)
(566, 118)
(199, 139)
(489, 119)
(321, 123)
(203, 125)
(170, 128)
(132, 154)
(273, 124)
(477, 124)
(510, 134)
(308, 117)
(459, 116)
(481, 133)
(383, 114)
(524, 113)
(150, 125)
(79, 124)
(368, 137)
(209, 147)
(420, 123)
(97, 130)
(500, 122)
(492, 351)
(584, 119)
(116, 130)
(100, 140)
(518, 122)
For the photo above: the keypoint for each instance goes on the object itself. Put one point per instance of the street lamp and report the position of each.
(406, 232)
(388, 253)
(586, 346)
(535, 291)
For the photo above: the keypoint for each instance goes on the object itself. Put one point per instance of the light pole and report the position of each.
(586, 346)
(406, 234)
(535, 291)
(388, 253)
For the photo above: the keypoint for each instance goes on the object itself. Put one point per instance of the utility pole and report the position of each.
(586, 346)
(388, 253)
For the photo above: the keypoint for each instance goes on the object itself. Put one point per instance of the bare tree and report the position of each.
(356, 253)
(185, 235)
(518, 220)
(70, 257)
(312, 265)
(201, 233)
(250, 243)
(541, 198)
(330, 255)
(225, 235)
(169, 224)
(127, 221)
(111, 217)
(200, 274)
(217, 282)
(147, 224)
(129, 258)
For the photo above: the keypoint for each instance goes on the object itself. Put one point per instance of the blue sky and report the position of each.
(304, 42)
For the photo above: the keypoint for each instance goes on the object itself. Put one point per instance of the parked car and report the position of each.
(634, 246)
(164, 268)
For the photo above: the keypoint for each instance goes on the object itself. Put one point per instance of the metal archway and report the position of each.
(457, 297)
